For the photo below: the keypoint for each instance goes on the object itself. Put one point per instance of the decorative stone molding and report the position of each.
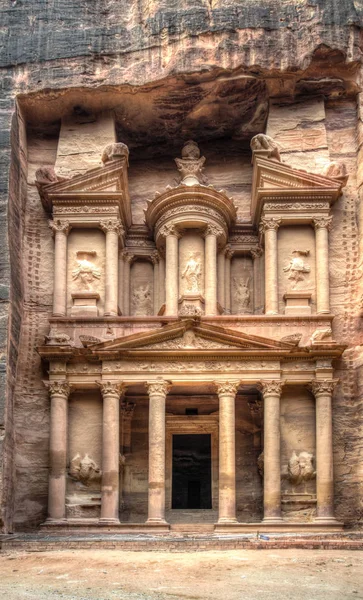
(115, 151)
(191, 164)
(323, 387)
(272, 387)
(58, 225)
(190, 310)
(227, 387)
(323, 223)
(269, 223)
(170, 229)
(58, 388)
(112, 225)
(158, 387)
(111, 388)
(265, 143)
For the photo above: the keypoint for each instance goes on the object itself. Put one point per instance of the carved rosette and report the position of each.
(59, 226)
(323, 223)
(227, 388)
(170, 229)
(112, 225)
(270, 388)
(58, 388)
(158, 387)
(324, 387)
(111, 388)
(269, 224)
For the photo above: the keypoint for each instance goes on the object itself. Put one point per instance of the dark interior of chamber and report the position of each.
(192, 473)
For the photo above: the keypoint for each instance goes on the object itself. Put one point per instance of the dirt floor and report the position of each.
(227, 575)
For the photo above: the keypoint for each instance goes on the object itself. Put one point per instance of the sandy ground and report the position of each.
(228, 575)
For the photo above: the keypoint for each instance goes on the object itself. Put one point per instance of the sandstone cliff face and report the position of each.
(171, 69)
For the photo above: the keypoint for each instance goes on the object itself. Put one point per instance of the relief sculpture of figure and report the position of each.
(300, 469)
(297, 268)
(141, 300)
(84, 469)
(192, 273)
(85, 272)
(242, 293)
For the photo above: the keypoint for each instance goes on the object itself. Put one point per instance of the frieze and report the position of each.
(243, 239)
(192, 366)
(85, 209)
(297, 206)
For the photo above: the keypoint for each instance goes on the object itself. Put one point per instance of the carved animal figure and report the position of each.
(114, 151)
(300, 468)
(192, 274)
(242, 293)
(321, 334)
(262, 141)
(141, 300)
(84, 469)
(57, 338)
(297, 268)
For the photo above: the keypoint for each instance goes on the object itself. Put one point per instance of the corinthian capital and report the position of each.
(323, 222)
(158, 387)
(227, 387)
(170, 229)
(155, 257)
(112, 225)
(270, 388)
(269, 224)
(213, 230)
(128, 257)
(323, 387)
(228, 252)
(58, 225)
(111, 388)
(256, 252)
(58, 388)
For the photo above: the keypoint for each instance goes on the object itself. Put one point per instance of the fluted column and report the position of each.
(227, 272)
(111, 393)
(269, 227)
(59, 392)
(271, 391)
(322, 226)
(155, 261)
(323, 391)
(156, 501)
(127, 258)
(227, 391)
(221, 260)
(211, 233)
(256, 254)
(172, 236)
(61, 230)
(113, 229)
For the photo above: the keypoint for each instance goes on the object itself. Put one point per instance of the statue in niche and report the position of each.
(86, 272)
(299, 469)
(297, 267)
(242, 294)
(84, 470)
(192, 273)
(141, 300)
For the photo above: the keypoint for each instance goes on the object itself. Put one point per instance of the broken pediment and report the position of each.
(106, 185)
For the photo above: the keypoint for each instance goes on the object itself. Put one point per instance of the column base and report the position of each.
(327, 520)
(156, 521)
(52, 521)
(111, 314)
(226, 520)
(272, 520)
(106, 521)
(271, 312)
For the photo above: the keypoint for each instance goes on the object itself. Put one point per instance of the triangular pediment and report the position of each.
(106, 184)
(186, 336)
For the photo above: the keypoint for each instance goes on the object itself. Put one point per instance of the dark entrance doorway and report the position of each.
(192, 471)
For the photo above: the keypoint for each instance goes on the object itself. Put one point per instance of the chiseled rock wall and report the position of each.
(58, 54)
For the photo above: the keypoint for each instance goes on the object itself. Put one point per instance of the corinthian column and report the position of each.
(323, 391)
(270, 226)
(111, 392)
(61, 230)
(113, 229)
(227, 451)
(59, 392)
(127, 258)
(322, 226)
(211, 234)
(221, 260)
(161, 279)
(156, 504)
(271, 391)
(256, 254)
(227, 272)
(155, 261)
(172, 236)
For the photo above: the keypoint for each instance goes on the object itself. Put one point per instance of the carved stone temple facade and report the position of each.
(188, 358)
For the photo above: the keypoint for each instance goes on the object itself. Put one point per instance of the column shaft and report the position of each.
(271, 276)
(60, 229)
(272, 461)
(211, 274)
(172, 275)
(227, 452)
(221, 278)
(111, 278)
(227, 273)
(161, 281)
(156, 285)
(322, 264)
(156, 500)
(121, 283)
(126, 283)
(111, 392)
(59, 392)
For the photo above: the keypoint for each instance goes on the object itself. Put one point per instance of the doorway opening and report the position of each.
(192, 471)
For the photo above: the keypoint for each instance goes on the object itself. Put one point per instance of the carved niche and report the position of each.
(142, 289)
